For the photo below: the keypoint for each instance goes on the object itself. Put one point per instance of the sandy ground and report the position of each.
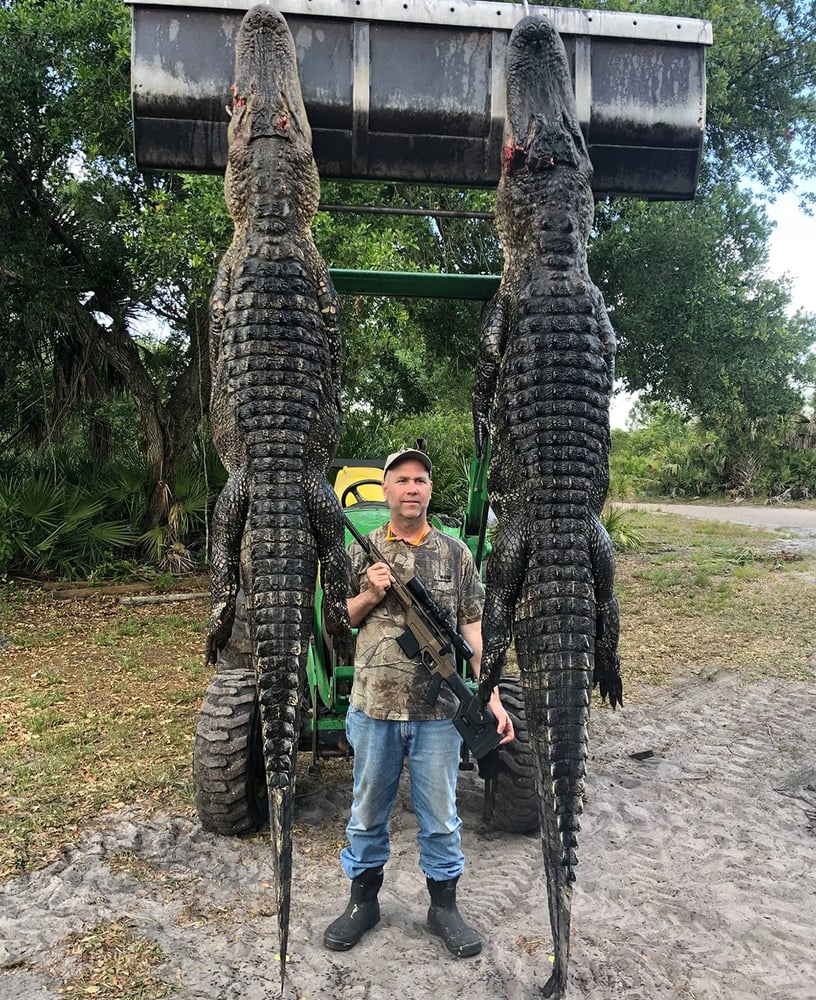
(697, 878)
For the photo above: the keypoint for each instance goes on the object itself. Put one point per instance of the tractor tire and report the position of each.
(228, 766)
(514, 806)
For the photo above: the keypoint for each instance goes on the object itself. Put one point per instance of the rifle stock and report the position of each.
(431, 638)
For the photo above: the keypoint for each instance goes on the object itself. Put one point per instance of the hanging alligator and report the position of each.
(542, 393)
(275, 355)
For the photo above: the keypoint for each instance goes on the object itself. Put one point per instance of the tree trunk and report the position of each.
(168, 429)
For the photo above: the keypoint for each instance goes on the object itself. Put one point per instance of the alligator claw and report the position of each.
(219, 630)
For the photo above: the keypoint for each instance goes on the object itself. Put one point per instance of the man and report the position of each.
(389, 717)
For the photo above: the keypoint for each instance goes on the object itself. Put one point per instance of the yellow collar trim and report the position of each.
(391, 537)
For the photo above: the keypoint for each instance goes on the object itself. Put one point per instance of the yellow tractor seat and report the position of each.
(368, 490)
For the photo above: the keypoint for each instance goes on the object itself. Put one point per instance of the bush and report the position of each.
(669, 455)
(78, 520)
(56, 528)
(622, 532)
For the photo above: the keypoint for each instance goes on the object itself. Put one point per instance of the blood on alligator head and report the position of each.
(544, 147)
(268, 122)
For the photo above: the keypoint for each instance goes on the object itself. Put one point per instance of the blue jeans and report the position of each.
(433, 763)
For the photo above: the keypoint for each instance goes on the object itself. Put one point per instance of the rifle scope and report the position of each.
(424, 599)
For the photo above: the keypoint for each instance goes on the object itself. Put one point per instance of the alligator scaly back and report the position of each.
(275, 357)
(542, 394)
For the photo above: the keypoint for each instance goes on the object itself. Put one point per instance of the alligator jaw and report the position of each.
(542, 123)
(267, 98)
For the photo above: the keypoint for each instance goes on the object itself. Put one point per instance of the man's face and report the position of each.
(407, 489)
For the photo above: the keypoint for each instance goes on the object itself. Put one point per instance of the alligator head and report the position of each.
(269, 131)
(542, 134)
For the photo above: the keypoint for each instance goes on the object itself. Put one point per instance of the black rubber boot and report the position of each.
(446, 921)
(361, 914)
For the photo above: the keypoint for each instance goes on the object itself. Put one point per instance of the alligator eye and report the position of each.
(518, 158)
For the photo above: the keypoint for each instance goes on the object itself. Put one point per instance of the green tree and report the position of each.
(698, 322)
(71, 205)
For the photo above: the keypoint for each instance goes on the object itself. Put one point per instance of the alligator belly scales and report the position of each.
(275, 355)
(542, 394)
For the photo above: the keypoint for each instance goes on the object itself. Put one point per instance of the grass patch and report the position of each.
(114, 963)
(703, 594)
(87, 726)
(98, 706)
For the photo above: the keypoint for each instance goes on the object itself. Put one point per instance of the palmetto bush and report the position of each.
(59, 528)
(623, 534)
(75, 520)
(171, 545)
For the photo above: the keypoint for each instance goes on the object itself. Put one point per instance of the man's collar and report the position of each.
(391, 536)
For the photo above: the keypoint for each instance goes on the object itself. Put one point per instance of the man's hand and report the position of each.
(379, 580)
(504, 724)
(472, 631)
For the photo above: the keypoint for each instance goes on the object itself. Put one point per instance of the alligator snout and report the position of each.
(267, 101)
(541, 115)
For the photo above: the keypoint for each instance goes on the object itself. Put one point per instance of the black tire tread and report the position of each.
(515, 805)
(225, 739)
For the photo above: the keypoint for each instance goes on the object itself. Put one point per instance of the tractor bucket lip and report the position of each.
(382, 108)
(474, 14)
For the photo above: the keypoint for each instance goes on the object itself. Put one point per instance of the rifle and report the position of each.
(431, 638)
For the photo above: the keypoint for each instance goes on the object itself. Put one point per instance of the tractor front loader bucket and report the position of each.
(414, 91)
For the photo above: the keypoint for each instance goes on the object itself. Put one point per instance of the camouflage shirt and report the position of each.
(387, 685)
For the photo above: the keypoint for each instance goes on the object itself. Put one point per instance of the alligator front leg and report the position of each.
(327, 525)
(491, 346)
(228, 523)
(329, 304)
(607, 672)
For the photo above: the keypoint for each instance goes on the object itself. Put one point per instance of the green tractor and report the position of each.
(228, 766)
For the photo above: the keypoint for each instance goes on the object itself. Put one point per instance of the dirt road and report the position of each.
(769, 516)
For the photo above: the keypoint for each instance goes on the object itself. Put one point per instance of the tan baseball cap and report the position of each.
(399, 456)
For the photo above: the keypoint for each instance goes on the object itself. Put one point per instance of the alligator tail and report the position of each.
(557, 673)
(280, 592)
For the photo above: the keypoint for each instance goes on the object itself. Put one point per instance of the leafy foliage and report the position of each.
(56, 527)
(71, 202)
(668, 455)
(699, 325)
(621, 528)
(80, 520)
